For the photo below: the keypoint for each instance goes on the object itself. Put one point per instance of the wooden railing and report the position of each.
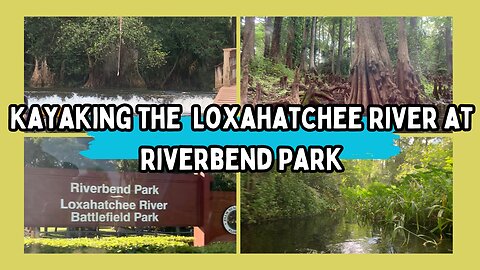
(226, 72)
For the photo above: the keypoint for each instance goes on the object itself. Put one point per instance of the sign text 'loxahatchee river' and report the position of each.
(82, 198)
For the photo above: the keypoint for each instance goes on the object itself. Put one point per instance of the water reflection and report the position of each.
(328, 234)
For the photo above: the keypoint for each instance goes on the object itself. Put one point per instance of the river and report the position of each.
(115, 96)
(328, 234)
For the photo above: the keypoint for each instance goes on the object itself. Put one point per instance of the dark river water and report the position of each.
(328, 234)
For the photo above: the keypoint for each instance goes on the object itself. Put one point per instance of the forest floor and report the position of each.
(327, 90)
(316, 89)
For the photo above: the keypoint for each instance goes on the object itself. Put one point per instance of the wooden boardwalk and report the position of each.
(226, 95)
(225, 78)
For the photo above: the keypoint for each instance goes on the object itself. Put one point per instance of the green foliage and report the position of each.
(224, 182)
(37, 41)
(418, 198)
(264, 67)
(216, 247)
(273, 195)
(99, 36)
(171, 51)
(267, 73)
(390, 28)
(131, 244)
(358, 172)
(194, 46)
(409, 193)
(434, 46)
(259, 36)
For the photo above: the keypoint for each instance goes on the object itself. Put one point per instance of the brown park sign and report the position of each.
(73, 198)
(83, 198)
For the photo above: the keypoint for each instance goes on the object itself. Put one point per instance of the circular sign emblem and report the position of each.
(230, 219)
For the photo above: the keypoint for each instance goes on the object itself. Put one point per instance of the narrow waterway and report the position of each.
(328, 234)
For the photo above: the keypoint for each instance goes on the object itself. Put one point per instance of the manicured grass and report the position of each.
(129, 244)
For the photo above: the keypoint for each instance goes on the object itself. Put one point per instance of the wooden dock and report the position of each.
(226, 95)
(225, 78)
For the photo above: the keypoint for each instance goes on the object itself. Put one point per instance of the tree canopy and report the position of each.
(139, 52)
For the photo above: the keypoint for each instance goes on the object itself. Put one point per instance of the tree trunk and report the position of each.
(36, 80)
(405, 77)
(277, 30)
(244, 85)
(318, 40)
(290, 42)
(295, 94)
(435, 90)
(303, 59)
(351, 42)
(448, 46)
(340, 48)
(46, 74)
(169, 74)
(42, 76)
(233, 32)
(258, 94)
(61, 76)
(95, 76)
(268, 36)
(382, 44)
(311, 66)
(332, 47)
(248, 50)
(370, 76)
(247, 55)
(413, 44)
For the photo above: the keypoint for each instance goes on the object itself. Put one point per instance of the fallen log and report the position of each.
(324, 95)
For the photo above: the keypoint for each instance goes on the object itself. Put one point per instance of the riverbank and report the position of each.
(273, 195)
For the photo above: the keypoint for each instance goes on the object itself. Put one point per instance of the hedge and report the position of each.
(130, 244)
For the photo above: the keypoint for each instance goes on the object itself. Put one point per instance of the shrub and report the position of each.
(130, 244)
(420, 201)
(263, 67)
(273, 195)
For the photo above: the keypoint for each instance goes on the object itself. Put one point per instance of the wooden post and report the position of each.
(233, 66)
(199, 232)
(226, 67)
(218, 76)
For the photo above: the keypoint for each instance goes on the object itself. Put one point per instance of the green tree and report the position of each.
(194, 45)
(40, 34)
(114, 48)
